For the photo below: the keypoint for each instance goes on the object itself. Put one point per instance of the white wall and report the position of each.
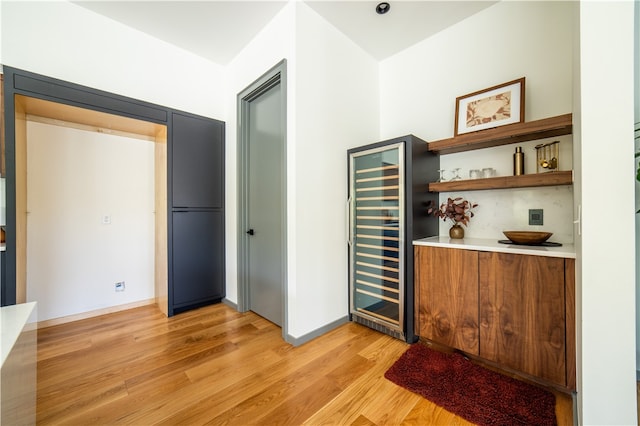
(332, 104)
(637, 149)
(76, 177)
(606, 255)
(62, 40)
(337, 108)
(65, 41)
(274, 43)
(419, 86)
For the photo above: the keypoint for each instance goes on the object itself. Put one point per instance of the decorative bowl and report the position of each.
(527, 237)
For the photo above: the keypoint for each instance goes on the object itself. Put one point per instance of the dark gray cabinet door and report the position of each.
(197, 155)
(198, 257)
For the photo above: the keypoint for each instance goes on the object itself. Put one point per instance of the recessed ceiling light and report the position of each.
(382, 8)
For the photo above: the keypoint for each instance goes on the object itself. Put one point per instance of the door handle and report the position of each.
(349, 240)
(250, 232)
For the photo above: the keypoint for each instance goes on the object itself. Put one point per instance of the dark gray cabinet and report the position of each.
(196, 163)
(198, 257)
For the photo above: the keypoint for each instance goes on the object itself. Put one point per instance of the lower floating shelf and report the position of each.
(502, 182)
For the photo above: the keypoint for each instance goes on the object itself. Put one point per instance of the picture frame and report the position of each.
(492, 107)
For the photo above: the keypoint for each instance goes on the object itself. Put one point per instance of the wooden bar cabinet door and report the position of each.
(447, 296)
(522, 313)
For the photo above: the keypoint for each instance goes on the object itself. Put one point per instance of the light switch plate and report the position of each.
(536, 217)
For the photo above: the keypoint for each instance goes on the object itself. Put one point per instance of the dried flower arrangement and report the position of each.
(458, 210)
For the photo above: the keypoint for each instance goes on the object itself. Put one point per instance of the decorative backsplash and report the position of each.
(508, 210)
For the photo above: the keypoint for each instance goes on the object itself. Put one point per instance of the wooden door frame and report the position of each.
(276, 75)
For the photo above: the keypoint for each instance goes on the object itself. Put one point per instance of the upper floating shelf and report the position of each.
(504, 135)
(502, 182)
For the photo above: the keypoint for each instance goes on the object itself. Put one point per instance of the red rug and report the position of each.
(474, 393)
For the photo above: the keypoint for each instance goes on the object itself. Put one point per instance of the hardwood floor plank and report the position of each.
(427, 413)
(69, 404)
(64, 345)
(235, 366)
(254, 408)
(217, 366)
(250, 388)
(349, 370)
(352, 402)
(390, 403)
(363, 421)
(295, 409)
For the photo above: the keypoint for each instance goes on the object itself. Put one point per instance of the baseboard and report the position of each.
(96, 313)
(297, 341)
(230, 304)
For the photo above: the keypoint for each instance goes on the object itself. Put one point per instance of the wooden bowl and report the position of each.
(527, 237)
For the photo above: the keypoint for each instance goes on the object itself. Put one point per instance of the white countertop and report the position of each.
(482, 244)
(12, 321)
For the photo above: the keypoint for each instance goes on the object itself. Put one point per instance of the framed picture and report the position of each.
(492, 107)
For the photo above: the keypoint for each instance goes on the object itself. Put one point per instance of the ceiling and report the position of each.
(218, 30)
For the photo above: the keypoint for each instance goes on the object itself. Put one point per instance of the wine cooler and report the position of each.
(388, 202)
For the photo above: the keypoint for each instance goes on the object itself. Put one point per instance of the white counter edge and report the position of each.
(13, 319)
(482, 244)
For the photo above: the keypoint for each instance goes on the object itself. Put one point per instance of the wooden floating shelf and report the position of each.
(501, 182)
(504, 135)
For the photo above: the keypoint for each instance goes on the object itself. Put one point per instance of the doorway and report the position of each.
(262, 197)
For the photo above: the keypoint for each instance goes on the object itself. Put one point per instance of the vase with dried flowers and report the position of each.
(458, 210)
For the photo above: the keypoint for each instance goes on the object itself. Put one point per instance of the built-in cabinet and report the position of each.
(189, 183)
(516, 311)
(197, 162)
(197, 211)
(447, 297)
(198, 257)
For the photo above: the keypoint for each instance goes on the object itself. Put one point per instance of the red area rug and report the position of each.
(474, 393)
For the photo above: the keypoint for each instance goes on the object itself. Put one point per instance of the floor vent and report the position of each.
(379, 327)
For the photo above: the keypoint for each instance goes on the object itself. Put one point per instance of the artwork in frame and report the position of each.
(488, 108)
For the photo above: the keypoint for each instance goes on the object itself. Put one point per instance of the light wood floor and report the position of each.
(217, 366)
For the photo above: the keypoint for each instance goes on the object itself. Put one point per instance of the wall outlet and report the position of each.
(536, 217)
(106, 219)
(120, 286)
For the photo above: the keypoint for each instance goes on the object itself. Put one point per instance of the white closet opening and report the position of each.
(91, 211)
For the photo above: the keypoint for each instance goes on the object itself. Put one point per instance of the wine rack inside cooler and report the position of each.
(377, 238)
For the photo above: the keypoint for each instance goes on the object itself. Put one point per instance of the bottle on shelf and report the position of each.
(518, 162)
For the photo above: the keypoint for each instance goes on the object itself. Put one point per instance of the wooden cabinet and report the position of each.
(447, 308)
(522, 313)
(504, 135)
(514, 310)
